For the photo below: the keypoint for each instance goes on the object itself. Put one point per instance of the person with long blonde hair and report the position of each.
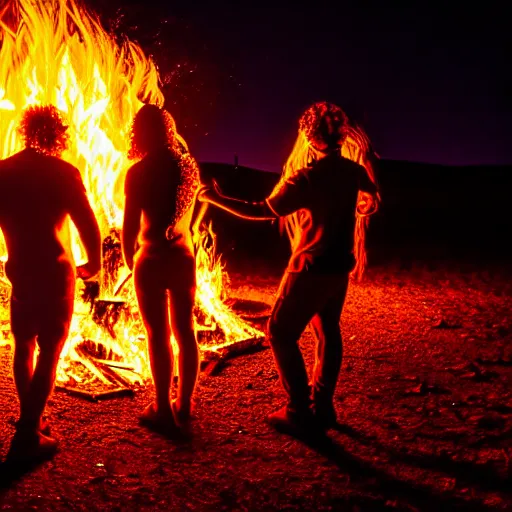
(160, 192)
(324, 197)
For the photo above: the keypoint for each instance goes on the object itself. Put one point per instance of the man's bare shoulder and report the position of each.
(32, 160)
(10, 161)
(61, 165)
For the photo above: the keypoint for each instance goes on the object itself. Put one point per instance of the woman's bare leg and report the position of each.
(153, 305)
(182, 322)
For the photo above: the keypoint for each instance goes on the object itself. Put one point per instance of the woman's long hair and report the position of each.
(327, 123)
(154, 128)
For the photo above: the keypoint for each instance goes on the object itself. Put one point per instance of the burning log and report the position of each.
(106, 313)
(250, 309)
(112, 259)
(120, 288)
(107, 370)
(242, 347)
(215, 359)
(99, 83)
(90, 292)
(95, 396)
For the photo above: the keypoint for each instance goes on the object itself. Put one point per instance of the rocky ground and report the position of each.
(424, 407)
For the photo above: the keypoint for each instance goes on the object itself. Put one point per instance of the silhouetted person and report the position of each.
(39, 192)
(316, 199)
(157, 243)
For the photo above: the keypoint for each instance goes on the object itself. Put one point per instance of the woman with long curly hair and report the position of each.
(323, 200)
(160, 192)
(39, 192)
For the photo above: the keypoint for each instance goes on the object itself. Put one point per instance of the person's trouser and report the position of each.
(308, 297)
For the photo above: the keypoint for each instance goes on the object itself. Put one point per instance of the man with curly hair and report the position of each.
(40, 192)
(157, 243)
(317, 199)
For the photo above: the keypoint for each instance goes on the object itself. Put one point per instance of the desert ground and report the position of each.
(424, 404)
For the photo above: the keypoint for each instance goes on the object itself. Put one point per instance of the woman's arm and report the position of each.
(85, 222)
(131, 223)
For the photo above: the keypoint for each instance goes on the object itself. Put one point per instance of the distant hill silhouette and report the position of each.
(428, 211)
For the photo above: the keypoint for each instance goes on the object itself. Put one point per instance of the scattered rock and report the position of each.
(444, 324)
(479, 375)
(498, 362)
(503, 331)
(427, 389)
(490, 421)
(501, 408)
(410, 378)
(390, 424)
(215, 367)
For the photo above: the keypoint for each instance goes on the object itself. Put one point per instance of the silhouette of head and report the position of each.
(324, 125)
(42, 128)
(152, 128)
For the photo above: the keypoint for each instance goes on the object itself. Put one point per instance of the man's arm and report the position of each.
(369, 197)
(287, 197)
(131, 224)
(243, 209)
(85, 221)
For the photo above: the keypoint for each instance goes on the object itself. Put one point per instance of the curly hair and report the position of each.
(42, 128)
(328, 124)
(324, 123)
(152, 127)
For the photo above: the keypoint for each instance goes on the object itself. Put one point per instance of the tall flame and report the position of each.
(56, 52)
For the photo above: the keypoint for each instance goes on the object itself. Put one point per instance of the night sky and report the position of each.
(430, 84)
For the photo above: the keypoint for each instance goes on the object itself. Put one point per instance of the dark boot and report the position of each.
(325, 415)
(294, 420)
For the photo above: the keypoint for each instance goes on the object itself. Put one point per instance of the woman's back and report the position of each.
(156, 185)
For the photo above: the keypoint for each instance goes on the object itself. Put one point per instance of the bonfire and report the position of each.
(57, 52)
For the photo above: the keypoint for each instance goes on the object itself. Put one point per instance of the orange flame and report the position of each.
(55, 52)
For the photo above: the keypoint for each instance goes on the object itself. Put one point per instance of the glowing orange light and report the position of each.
(55, 52)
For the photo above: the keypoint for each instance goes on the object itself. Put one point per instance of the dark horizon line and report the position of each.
(386, 160)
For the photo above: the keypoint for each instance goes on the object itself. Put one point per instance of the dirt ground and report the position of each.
(424, 405)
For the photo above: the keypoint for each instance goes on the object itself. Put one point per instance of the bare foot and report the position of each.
(161, 422)
(29, 445)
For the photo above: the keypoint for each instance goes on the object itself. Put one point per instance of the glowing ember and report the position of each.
(54, 52)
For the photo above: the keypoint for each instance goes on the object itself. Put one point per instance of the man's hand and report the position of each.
(368, 204)
(207, 193)
(87, 271)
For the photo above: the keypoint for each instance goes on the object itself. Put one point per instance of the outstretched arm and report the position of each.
(244, 209)
(85, 221)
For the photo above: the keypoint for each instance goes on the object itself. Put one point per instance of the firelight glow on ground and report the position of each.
(56, 52)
